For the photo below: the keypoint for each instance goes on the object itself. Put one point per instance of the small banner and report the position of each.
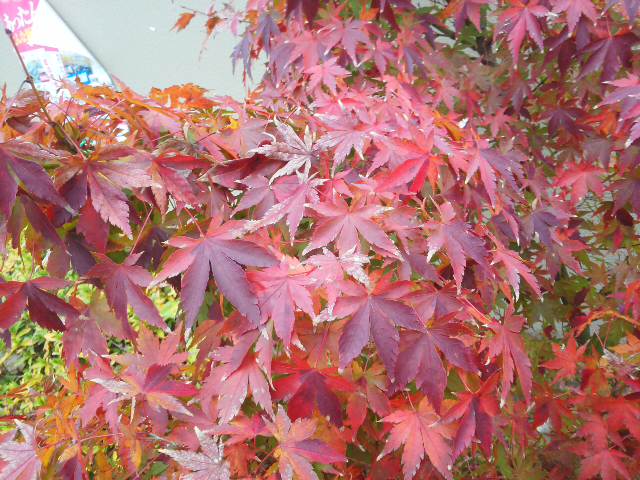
(48, 47)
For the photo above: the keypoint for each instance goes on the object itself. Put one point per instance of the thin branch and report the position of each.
(59, 131)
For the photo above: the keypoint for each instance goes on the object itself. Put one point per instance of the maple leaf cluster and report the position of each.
(411, 252)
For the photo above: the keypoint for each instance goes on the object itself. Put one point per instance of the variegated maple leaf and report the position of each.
(20, 460)
(208, 465)
(296, 152)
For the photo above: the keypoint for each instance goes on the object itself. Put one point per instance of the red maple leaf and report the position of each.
(421, 435)
(281, 290)
(122, 286)
(297, 449)
(521, 19)
(607, 463)
(107, 174)
(218, 252)
(508, 344)
(43, 307)
(582, 177)
(456, 239)
(153, 387)
(476, 411)
(308, 390)
(30, 174)
(566, 359)
(349, 34)
(490, 163)
(296, 152)
(309, 7)
(293, 198)
(464, 10)
(241, 429)
(609, 53)
(169, 175)
(152, 351)
(419, 359)
(515, 269)
(231, 380)
(575, 9)
(342, 223)
(374, 313)
(82, 334)
(327, 73)
(347, 133)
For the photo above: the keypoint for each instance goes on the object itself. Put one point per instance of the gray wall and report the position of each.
(133, 40)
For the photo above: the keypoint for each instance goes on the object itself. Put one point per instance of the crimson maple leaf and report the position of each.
(82, 334)
(626, 96)
(220, 253)
(465, 10)
(258, 194)
(374, 313)
(582, 177)
(347, 133)
(294, 197)
(154, 388)
(43, 307)
(31, 175)
(307, 390)
(168, 177)
(345, 222)
(241, 429)
(296, 449)
(208, 465)
(476, 411)
(521, 19)
(507, 342)
(122, 285)
(151, 351)
(280, 290)
(455, 237)
(309, 7)
(420, 432)
(349, 34)
(231, 380)
(515, 269)
(609, 54)
(107, 174)
(326, 73)
(566, 359)
(490, 162)
(575, 9)
(21, 458)
(607, 463)
(330, 271)
(627, 190)
(419, 359)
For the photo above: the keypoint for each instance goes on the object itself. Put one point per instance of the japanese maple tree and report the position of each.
(412, 251)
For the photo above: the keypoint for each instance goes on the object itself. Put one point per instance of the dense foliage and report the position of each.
(412, 252)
